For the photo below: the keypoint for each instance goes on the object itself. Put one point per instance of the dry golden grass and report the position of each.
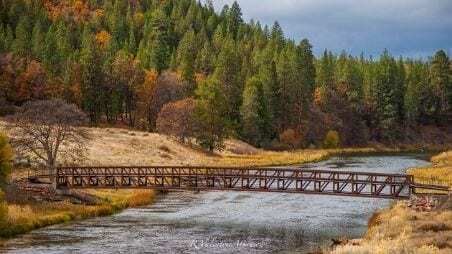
(25, 217)
(439, 173)
(400, 229)
(124, 147)
(113, 146)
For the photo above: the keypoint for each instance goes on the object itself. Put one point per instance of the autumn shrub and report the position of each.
(5, 159)
(175, 119)
(289, 138)
(331, 140)
(168, 88)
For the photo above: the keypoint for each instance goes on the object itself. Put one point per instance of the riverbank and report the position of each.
(23, 217)
(125, 147)
(401, 229)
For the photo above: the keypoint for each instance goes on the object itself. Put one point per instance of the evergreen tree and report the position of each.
(234, 19)
(387, 101)
(22, 42)
(254, 113)
(211, 123)
(186, 55)
(226, 70)
(91, 76)
(37, 41)
(159, 41)
(288, 85)
(204, 60)
(50, 57)
(440, 79)
(306, 70)
(418, 96)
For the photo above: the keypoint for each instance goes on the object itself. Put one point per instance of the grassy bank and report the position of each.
(400, 229)
(25, 217)
(268, 158)
(126, 147)
(439, 173)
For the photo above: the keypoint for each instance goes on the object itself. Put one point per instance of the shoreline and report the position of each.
(30, 216)
(404, 229)
(51, 213)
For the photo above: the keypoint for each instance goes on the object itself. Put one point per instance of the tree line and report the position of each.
(179, 67)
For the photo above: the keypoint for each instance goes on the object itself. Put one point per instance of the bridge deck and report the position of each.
(290, 180)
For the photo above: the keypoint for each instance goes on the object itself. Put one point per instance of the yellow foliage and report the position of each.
(99, 13)
(138, 19)
(199, 77)
(103, 38)
(319, 96)
(332, 140)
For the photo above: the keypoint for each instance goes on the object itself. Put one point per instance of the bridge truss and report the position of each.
(289, 180)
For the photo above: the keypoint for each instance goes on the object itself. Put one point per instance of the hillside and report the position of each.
(148, 64)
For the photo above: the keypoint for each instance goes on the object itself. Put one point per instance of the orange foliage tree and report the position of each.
(176, 119)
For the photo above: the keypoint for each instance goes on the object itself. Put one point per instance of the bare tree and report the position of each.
(49, 130)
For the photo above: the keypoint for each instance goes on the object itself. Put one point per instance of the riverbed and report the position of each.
(224, 222)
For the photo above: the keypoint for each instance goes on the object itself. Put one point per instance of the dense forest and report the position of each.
(179, 67)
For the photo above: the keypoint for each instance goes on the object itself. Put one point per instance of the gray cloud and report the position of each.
(415, 28)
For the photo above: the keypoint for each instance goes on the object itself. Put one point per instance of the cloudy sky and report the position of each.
(414, 28)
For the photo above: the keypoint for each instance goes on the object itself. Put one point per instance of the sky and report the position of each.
(412, 28)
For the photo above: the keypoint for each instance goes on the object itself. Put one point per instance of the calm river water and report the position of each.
(223, 222)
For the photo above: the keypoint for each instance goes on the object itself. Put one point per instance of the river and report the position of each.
(223, 222)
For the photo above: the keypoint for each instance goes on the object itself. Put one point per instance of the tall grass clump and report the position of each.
(6, 155)
(3, 210)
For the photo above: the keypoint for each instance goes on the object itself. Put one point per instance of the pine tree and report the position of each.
(266, 67)
(325, 71)
(400, 90)
(288, 84)
(418, 95)
(441, 85)
(91, 76)
(204, 60)
(158, 42)
(22, 42)
(37, 41)
(277, 37)
(49, 56)
(211, 123)
(254, 114)
(386, 77)
(234, 19)
(186, 55)
(226, 72)
(306, 70)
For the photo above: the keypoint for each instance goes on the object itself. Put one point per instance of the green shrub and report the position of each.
(5, 159)
(331, 140)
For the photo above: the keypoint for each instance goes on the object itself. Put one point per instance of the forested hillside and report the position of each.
(178, 67)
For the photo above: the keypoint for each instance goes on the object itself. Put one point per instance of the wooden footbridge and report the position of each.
(288, 180)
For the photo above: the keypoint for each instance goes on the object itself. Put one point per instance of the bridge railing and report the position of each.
(291, 180)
